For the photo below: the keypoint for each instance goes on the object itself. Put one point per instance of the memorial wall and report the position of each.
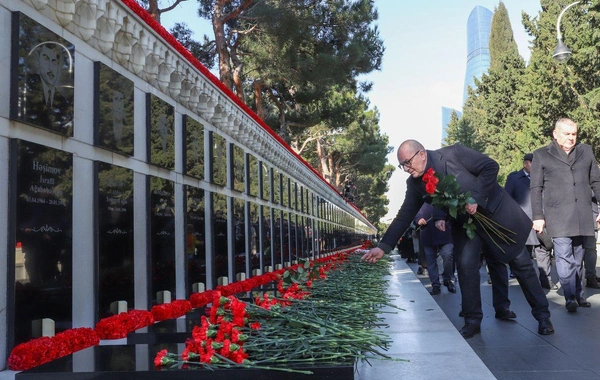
(129, 173)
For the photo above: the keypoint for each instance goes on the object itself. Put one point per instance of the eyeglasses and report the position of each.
(407, 162)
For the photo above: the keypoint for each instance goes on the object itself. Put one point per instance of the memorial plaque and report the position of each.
(218, 159)
(239, 238)
(266, 242)
(254, 236)
(115, 236)
(276, 186)
(221, 237)
(160, 118)
(162, 236)
(43, 68)
(298, 197)
(238, 168)
(113, 110)
(293, 195)
(303, 194)
(294, 233)
(277, 236)
(43, 261)
(193, 139)
(304, 236)
(252, 175)
(285, 190)
(286, 239)
(265, 176)
(195, 237)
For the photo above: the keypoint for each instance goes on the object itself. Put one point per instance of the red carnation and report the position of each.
(430, 180)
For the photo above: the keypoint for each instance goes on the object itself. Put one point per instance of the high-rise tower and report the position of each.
(479, 27)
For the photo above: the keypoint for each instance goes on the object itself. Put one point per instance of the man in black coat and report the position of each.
(563, 175)
(475, 173)
(517, 186)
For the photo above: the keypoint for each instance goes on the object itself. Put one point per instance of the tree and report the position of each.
(502, 42)
(371, 198)
(230, 24)
(301, 49)
(492, 111)
(348, 141)
(205, 52)
(461, 131)
(153, 7)
(555, 90)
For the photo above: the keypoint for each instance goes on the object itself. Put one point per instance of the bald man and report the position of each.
(475, 173)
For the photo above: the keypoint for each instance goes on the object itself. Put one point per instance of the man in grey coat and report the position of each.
(518, 186)
(563, 175)
(477, 174)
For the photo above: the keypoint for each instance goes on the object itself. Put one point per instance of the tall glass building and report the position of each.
(478, 53)
(446, 117)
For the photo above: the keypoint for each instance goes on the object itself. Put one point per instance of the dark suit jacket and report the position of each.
(430, 235)
(474, 172)
(561, 191)
(517, 186)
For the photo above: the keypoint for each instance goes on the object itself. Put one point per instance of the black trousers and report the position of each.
(467, 253)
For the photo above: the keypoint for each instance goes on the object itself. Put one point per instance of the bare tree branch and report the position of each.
(172, 6)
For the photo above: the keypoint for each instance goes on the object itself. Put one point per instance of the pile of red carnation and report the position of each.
(118, 326)
(45, 349)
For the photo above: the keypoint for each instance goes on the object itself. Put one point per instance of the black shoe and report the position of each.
(435, 291)
(583, 303)
(469, 330)
(545, 327)
(450, 286)
(420, 271)
(505, 315)
(591, 282)
(571, 306)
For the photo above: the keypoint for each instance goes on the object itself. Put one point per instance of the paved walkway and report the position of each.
(513, 349)
(422, 334)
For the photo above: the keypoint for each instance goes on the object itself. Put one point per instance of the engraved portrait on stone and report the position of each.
(42, 91)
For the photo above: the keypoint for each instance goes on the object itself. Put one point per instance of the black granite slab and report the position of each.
(132, 362)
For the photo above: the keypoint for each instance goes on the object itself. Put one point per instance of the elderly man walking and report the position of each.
(563, 175)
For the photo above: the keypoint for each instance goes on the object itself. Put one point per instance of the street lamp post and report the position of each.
(561, 52)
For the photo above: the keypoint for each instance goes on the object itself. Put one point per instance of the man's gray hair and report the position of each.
(564, 122)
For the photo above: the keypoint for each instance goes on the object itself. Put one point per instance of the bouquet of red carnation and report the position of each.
(445, 193)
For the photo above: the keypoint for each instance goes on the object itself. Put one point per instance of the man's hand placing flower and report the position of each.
(373, 255)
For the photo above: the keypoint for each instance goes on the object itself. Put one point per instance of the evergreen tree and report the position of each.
(461, 131)
(492, 110)
(554, 90)
(502, 42)
(204, 52)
